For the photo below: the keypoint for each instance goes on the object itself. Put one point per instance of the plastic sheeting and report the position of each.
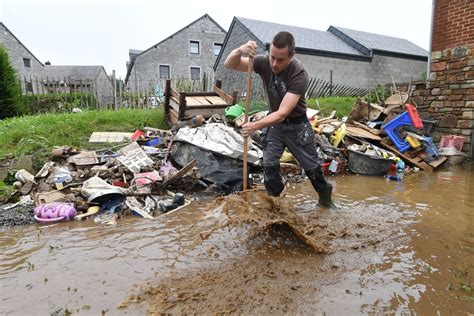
(225, 173)
(220, 139)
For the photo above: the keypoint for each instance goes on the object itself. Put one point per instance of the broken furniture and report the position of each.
(181, 106)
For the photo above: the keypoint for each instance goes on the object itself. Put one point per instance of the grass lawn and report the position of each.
(342, 105)
(37, 135)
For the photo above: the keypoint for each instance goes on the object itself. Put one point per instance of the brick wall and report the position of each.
(453, 24)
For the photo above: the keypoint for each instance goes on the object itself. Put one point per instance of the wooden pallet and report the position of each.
(181, 106)
(414, 157)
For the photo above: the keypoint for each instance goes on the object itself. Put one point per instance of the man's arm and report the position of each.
(238, 59)
(289, 102)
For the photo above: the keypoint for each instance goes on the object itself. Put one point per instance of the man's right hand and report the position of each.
(249, 49)
(239, 59)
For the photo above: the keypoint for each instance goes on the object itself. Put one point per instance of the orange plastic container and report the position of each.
(415, 118)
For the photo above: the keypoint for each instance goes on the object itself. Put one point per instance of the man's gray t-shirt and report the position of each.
(293, 79)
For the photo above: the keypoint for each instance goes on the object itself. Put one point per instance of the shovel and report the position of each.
(246, 119)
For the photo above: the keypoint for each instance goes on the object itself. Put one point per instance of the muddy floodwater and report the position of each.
(391, 247)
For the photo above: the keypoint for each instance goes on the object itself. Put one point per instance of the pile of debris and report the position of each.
(385, 138)
(152, 172)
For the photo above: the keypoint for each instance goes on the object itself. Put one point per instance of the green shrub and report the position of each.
(10, 89)
(379, 93)
(58, 102)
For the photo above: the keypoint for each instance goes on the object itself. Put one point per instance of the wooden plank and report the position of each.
(172, 117)
(191, 101)
(182, 105)
(216, 100)
(207, 113)
(174, 94)
(203, 100)
(359, 132)
(435, 164)
(416, 162)
(363, 126)
(174, 106)
(201, 94)
(227, 98)
(178, 175)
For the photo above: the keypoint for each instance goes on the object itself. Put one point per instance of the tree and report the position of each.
(10, 90)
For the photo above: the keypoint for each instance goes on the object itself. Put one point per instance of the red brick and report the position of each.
(457, 65)
(451, 78)
(459, 91)
(455, 97)
(458, 104)
(469, 74)
(441, 65)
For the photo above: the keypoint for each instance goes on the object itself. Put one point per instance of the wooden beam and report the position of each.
(417, 161)
(182, 105)
(201, 94)
(227, 98)
(178, 175)
(174, 93)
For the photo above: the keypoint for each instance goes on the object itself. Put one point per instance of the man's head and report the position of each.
(282, 51)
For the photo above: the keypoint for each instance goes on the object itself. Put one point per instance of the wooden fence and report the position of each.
(47, 94)
(322, 88)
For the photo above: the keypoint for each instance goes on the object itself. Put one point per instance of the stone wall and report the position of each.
(175, 53)
(448, 96)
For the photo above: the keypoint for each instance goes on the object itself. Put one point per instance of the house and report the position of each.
(353, 58)
(39, 78)
(26, 65)
(189, 53)
(92, 79)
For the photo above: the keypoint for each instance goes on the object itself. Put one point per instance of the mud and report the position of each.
(390, 247)
(291, 254)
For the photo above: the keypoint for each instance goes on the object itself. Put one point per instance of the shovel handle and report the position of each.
(246, 118)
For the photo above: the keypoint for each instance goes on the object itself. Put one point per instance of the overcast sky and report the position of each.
(100, 32)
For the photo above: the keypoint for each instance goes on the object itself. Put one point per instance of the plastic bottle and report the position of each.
(55, 211)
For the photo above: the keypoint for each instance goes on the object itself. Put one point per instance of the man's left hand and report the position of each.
(248, 129)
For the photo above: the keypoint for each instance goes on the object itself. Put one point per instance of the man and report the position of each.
(285, 80)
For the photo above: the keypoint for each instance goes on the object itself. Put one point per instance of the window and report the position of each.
(164, 71)
(217, 48)
(194, 47)
(27, 62)
(195, 73)
(29, 87)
